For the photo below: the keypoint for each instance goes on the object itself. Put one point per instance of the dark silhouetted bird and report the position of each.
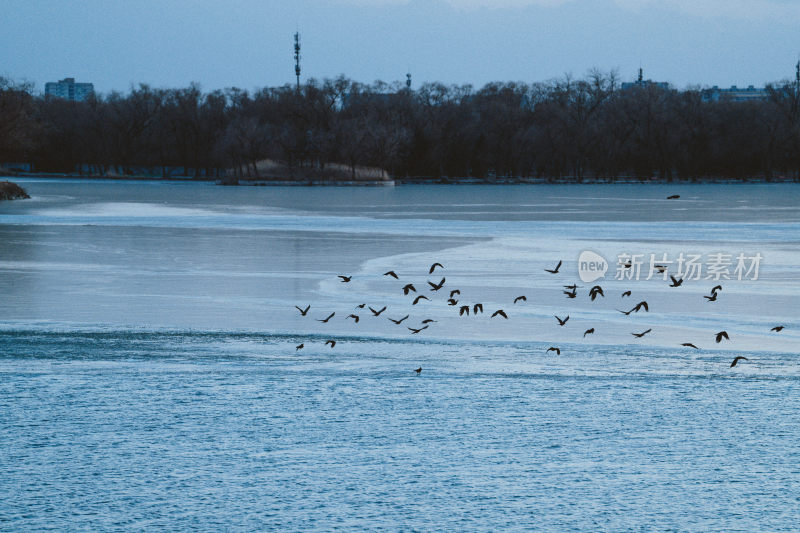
(571, 287)
(626, 293)
(324, 320)
(571, 294)
(346, 279)
(299, 346)
(435, 287)
(418, 370)
(675, 282)
(737, 359)
(354, 317)
(398, 321)
(588, 332)
(409, 288)
(596, 290)
(391, 273)
(561, 322)
(452, 302)
(777, 328)
(642, 334)
(418, 298)
(501, 313)
(428, 321)
(690, 345)
(415, 331)
(463, 309)
(454, 292)
(361, 306)
(303, 312)
(555, 270)
(661, 268)
(554, 349)
(476, 308)
(520, 299)
(331, 342)
(722, 335)
(433, 267)
(712, 298)
(377, 312)
(716, 288)
(673, 197)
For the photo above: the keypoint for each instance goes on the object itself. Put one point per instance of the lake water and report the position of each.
(149, 376)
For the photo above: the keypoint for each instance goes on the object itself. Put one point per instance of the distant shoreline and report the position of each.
(306, 182)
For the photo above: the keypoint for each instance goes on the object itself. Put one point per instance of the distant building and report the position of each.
(735, 94)
(642, 83)
(67, 89)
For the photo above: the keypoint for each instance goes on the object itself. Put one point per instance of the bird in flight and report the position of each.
(303, 312)
(408, 288)
(689, 345)
(418, 370)
(433, 267)
(520, 299)
(661, 268)
(378, 312)
(594, 291)
(626, 293)
(391, 273)
(299, 346)
(561, 322)
(636, 308)
(463, 309)
(571, 287)
(721, 335)
(642, 334)
(673, 197)
(777, 328)
(398, 321)
(454, 292)
(554, 349)
(428, 321)
(325, 320)
(712, 298)
(452, 302)
(675, 282)
(571, 294)
(476, 308)
(331, 342)
(415, 331)
(501, 313)
(737, 359)
(716, 288)
(555, 270)
(346, 279)
(418, 298)
(588, 332)
(354, 317)
(435, 287)
(361, 306)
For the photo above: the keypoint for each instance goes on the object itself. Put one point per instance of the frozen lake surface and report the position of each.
(149, 376)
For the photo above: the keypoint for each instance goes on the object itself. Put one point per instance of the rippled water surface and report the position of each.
(149, 376)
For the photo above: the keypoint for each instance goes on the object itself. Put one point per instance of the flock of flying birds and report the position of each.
(570, 291)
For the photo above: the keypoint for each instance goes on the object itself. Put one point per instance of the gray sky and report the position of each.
(248, 43)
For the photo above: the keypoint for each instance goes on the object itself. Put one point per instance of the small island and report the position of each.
(11, 191)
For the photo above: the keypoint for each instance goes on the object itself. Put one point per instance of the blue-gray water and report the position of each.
(149, 377)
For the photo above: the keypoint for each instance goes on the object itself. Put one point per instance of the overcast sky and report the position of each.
(248, 43)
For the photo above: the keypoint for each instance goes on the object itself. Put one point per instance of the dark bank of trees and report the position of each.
(567, 128)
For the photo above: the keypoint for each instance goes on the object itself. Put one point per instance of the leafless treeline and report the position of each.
(577, 128)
